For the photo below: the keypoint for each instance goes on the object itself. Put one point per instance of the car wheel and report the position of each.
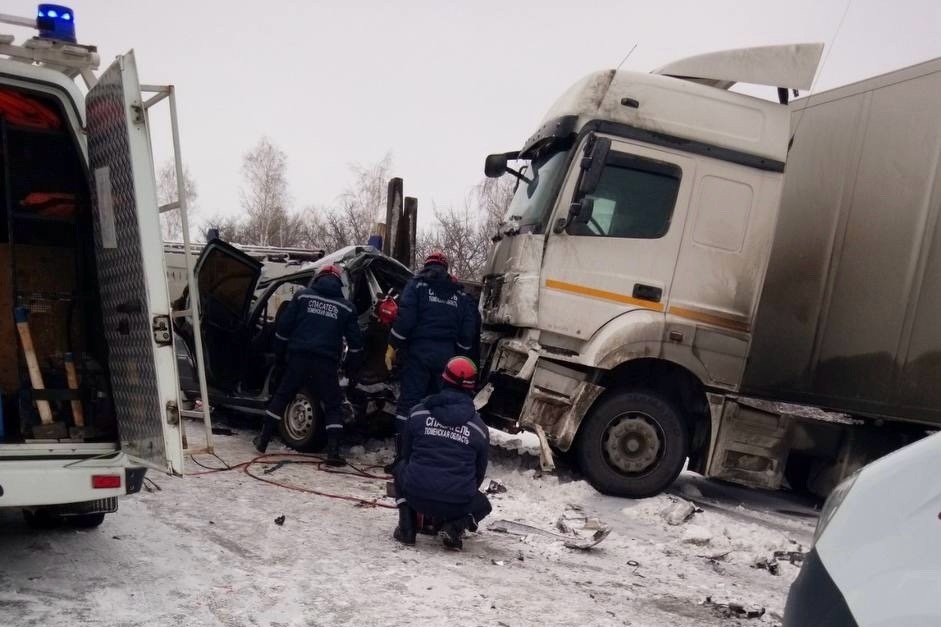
(302, 427)
(85, 521)
(633, 444)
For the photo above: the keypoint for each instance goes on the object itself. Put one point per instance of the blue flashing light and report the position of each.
(56, 22)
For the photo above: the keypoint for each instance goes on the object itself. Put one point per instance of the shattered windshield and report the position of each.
(533, 200)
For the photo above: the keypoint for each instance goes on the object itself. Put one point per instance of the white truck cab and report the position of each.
(92, 399)
(664, 288)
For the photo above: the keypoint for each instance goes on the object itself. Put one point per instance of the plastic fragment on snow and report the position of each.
(678, 512)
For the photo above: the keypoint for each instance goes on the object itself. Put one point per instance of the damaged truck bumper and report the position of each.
(557, 399)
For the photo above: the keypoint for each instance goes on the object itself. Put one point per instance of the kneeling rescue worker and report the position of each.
(434, 324)
(312, 330)
(444, 460)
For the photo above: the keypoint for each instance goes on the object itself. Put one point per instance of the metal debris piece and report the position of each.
(277, 466)
(770, 565)
(498, 562)
(734, 610)
(794, 557)
(495, 487)
(570, 542)
(279, 520)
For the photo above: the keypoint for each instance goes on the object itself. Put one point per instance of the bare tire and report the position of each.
(85, 521)
(633, 444)
(302, 426)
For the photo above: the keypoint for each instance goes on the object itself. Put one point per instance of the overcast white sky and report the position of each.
(438, 84)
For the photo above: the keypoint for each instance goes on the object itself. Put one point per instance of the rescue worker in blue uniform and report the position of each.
(444, 460)
(434, 324)
(311, 332)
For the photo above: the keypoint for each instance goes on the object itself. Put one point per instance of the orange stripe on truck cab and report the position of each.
(719, 321)
(680, 312)
(582, 290)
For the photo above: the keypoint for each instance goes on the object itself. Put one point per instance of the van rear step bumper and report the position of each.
(99, 506)
(45, 482)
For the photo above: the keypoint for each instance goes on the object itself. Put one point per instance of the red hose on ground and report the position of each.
(304, 459)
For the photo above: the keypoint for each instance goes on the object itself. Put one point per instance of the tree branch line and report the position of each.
(269, 219)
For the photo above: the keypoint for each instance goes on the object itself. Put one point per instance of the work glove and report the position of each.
(390, 358)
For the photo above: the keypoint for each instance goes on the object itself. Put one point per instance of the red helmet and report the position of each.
(437, 257)
(330, 270)
(461, 372)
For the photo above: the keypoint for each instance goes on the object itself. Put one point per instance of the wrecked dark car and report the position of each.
(239, 311)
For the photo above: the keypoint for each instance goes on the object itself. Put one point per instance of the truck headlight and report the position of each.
(833, 503)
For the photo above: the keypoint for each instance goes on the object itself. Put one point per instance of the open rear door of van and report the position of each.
(131, 275)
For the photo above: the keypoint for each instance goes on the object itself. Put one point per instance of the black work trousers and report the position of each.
(320, 375)
(478, 507)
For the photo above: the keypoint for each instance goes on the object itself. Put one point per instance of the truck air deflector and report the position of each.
(793, 66)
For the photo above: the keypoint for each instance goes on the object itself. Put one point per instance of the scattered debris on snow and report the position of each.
(732, 609)
(793, 557)
(571, 542)
(770, 565)
(678, 512)
(698, 535)
(495, 487)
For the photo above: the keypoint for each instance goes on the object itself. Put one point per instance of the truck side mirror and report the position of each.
(593, 165)
(495, 165)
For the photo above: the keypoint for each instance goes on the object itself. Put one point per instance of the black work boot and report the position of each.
(452, 533)
(333, 448)
(267, 431)
(405, 531)
(389, 468)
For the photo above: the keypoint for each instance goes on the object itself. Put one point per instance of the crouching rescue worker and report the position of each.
(444, 460)
(434, 324)
(311, 332)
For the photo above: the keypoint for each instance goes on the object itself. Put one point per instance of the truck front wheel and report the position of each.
(633, 444)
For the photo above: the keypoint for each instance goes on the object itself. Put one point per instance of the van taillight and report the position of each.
(102, 482)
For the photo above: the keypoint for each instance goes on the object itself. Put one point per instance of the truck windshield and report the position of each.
(533, 200)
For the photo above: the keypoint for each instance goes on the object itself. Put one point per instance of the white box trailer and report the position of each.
(81, 254)
(848, 317)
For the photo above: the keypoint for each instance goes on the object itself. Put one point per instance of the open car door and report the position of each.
(131, 276)
(226, 278)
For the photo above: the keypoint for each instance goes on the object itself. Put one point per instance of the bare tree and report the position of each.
(171, 224)
(356, 211)
(228, 227)
(265, 196)
(491, 198)
(460, 235)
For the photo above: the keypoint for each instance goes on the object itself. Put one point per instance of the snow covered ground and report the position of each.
(205, 550)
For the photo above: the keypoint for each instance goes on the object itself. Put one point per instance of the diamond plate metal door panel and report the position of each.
(131, 274)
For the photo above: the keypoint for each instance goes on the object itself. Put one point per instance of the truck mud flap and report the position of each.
(751, 447)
